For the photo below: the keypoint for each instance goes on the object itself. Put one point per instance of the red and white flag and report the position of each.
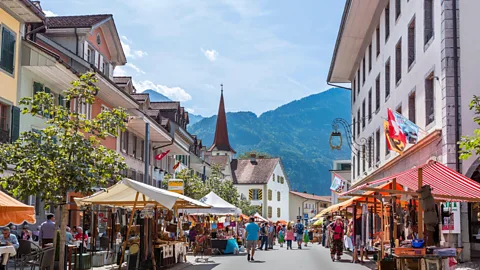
(162, 155)
(176, 165)
(395, 131)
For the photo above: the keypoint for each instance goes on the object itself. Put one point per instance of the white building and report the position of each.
(416, 58)
(306, 206)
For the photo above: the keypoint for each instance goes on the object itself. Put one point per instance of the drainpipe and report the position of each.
(76, 42)
(146, 154)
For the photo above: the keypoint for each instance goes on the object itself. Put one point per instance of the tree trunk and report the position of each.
(63, 236)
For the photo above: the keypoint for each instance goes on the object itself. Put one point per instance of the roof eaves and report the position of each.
(339, 38)
(34, 9)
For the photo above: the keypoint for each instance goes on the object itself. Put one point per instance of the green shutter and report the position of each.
(48, 91)
(61, 100)
(15, 123)
(37, 87)
(8, 51)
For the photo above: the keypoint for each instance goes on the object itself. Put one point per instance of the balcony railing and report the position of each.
(4, 136)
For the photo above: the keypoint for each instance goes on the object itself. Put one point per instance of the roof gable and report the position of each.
(257, 172)
(79, 21)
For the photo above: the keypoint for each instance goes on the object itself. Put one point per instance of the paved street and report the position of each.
(312, 257)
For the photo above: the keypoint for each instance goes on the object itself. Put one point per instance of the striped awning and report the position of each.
(444, 182)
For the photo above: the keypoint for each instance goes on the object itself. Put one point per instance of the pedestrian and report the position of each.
(271, 235)
(347, 239)
(289, 236)
(336, 247)
(358, 243)
(47, 230)
(299, 228)
(325, 240)
(26, 234)
(264, 236)
(281, 238)
(252, 233)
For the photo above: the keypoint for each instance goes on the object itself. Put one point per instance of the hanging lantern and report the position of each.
(335, 134)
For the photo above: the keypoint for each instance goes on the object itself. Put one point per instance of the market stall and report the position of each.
(13, 211)
(154, 231)
(402, 216)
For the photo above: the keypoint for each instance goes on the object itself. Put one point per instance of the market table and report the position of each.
(219, 244)
(6, 252)
(402, 258)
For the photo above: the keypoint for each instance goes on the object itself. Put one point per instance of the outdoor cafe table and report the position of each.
(6, 252)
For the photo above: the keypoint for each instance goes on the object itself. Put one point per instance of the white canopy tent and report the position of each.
(257, 216)
(219, 206)
(126, 192)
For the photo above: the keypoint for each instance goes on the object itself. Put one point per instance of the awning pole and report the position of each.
(382, 239)
(394, 208)
(128, 231)
(420, 208)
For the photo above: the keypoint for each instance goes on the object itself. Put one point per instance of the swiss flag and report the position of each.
(162, 155)
(394, 129)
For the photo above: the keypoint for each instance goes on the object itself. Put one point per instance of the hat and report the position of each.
(338, 217)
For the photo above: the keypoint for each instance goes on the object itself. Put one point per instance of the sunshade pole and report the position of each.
(152, 250)
(394, 208)
(382, 239)
(130, 223)
(420, 207)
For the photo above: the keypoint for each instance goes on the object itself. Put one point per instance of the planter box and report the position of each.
(109, 258)
(98, 259)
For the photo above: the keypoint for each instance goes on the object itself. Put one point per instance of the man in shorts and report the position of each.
(252, 230)
(358, 244)
(299, 230)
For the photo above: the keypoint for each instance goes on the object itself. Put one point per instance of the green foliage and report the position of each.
(67, 155)
(297, 132)
(470, 145)
(246, 155)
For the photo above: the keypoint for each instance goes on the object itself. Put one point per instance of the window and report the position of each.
(398, 61)
(358, 122)
(387, 22)
(278, 212)
(370, 57)
(363, 114)
(363, 73)
(7, 52)
(353, 90)
(387, 79)
(99, 40)
(429, 99)
(377, 93)
(377, 147)
(91, 55)
(142, 149)
(364, 157)
(124, 141)
(255, 194)
(377, 35)
(411, 108)
(398, 8)
(358, 162)
(279, 178)
(273, 177)
(370, 104)
(353, 126)
(353, 167)
(81, 107)
(282, 179)
(411, 42)
(387, 151)
(278, 195)
(3, 117)
(269, 212)
(428, 24)
(269, 194)
(358, 80)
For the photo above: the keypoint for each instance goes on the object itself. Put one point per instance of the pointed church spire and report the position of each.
(221, 142)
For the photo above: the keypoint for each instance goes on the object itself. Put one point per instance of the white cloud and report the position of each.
(49, 13)
(129, 53)
(190, 110)
(174, 93)
(119, 71)
(210, 54)
(209, 86)
(137, 69)
(126, 39)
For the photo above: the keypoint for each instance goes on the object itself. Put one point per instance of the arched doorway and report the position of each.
(474, 214)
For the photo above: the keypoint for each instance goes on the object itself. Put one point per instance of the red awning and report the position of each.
(443, 181)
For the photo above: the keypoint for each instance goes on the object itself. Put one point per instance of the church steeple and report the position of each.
(221, 141)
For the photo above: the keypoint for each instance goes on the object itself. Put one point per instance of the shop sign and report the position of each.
(338, 184)
(451, 223)
(176, 185)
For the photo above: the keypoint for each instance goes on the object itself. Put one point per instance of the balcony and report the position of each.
(4, 136)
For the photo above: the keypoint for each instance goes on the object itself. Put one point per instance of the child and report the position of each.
(289, 236)
(281, 238)
(306, 238)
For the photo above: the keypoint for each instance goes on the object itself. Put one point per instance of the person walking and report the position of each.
(251, 231)
(337, 230)
(299, 228)
(281, 237)
(271, 235)
(47, 231)
(325, 238)
(289, 236)
(264, 236)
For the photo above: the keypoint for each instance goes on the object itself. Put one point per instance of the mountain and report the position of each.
(194, 119)
(156, 96)
(298, 132)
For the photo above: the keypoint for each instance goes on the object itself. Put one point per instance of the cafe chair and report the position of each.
(24, 248)
(48, 258)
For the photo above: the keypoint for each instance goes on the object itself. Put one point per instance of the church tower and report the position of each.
(221, 144)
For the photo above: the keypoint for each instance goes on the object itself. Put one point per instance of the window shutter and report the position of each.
(96, 59)
(61, 100)
(250, 194)
(8, 51)
(100, 66)
(85, 51)
(110, 70)
(48, 91)
(269, 194)
(37, 87)
(15, 123)
(260, 194)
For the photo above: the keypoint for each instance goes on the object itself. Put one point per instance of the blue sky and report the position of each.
(266, 53)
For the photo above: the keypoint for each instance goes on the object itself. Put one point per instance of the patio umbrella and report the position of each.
(13, 211)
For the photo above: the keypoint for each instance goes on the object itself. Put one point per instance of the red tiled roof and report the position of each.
(165, 105)
(75, 21)
(259, 172)
(221, 141)
(140, 96)
(122, 79)
(311, 196)
(219, 160)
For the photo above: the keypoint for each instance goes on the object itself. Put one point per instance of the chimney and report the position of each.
(37, 4)
(253, 158)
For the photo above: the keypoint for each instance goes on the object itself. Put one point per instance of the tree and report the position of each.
(67, 156)
(470, 145)
(246, 155)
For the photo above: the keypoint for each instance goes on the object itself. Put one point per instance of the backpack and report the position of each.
(300, 228)
(263, 231)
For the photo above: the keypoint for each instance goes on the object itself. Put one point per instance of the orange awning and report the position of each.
(13, 211)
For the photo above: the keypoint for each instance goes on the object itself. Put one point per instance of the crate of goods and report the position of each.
(410, 251)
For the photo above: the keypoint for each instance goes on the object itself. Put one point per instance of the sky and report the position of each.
(265, 53)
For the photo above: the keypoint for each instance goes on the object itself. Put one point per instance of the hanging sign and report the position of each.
(338, 184)
(451, 223)
(176, 185)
